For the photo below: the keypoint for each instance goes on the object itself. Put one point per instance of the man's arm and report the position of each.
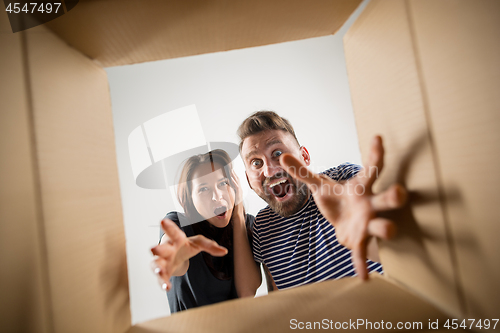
(271, 285)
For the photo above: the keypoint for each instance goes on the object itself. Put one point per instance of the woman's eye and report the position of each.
(256, 163)
(277, 153)
(224, 183)
(203, 189)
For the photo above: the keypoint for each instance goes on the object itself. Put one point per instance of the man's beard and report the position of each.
(292, 205)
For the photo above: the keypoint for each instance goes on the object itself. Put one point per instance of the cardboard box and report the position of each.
(424, 74)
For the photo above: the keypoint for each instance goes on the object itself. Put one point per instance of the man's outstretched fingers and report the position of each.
(382, 228)
(375, 163)
(298, 170)
(394, 197)
(358, 256)
(207, 245)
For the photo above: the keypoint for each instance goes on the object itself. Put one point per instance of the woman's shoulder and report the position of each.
(174, 217)
(181, 221)
(250, 219)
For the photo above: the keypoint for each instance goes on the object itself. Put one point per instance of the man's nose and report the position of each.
(271, 168)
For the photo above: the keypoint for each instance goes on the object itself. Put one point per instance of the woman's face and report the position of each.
(213, 197)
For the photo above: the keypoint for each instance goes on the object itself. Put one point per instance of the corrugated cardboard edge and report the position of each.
(25, 300)
(79, 190)
(124, 32)
(344, 300)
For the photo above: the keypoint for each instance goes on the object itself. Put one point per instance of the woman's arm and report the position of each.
(247, 277)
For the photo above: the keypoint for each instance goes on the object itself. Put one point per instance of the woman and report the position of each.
(209, 260)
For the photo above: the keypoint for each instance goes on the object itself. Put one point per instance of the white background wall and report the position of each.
(304, 81)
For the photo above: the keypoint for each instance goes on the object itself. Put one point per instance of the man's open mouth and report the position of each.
(280, 188)
(220, 211)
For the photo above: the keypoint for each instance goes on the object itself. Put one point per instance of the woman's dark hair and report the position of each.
(221, 267)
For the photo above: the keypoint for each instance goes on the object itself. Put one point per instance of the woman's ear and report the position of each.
(305, 155)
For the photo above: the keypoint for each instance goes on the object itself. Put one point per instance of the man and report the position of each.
(297, 236)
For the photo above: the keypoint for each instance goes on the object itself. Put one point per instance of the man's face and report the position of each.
(261, 154)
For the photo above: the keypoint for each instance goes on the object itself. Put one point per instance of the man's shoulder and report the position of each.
(264, 214)
(342, 172)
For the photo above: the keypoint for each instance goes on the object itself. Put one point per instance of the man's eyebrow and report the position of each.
(253, 152)
(268, 144)
(273, 142)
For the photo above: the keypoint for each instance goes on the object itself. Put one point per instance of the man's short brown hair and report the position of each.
(262, 121)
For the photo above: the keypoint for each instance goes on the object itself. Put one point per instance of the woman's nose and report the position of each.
(216, 194)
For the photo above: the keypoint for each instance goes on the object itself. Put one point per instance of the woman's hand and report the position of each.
(172, 255)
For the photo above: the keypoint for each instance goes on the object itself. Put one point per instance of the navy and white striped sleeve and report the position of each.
(257, 254)
(344, 171)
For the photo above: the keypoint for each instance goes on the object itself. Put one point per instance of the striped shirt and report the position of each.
(303, 248)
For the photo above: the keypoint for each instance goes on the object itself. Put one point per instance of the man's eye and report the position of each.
(256, 163)
(277, 153)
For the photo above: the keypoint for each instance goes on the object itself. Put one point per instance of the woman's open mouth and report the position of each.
(281, 189)
(220, 211)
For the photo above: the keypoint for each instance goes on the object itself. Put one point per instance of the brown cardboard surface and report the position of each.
(24, 302)
(387, 99)
(458, 45)
(80, 198)
(121, 32)
(416, 69)
(339, 301)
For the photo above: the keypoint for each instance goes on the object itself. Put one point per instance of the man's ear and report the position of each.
(305, 155)
(248, 180)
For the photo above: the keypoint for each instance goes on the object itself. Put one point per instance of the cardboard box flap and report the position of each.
(78, 178)
(343, 301)
(25, 301)
(427, 87)
(458, 45)
(122, 32)
(387, 100)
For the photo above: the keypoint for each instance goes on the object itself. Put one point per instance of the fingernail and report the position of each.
(164, 286)
(157, 270)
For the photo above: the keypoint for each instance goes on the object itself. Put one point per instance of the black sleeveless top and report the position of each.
(199, 286)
